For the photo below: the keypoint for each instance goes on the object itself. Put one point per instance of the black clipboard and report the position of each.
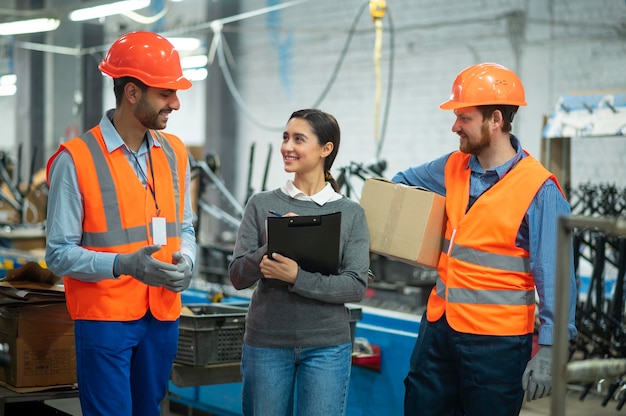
(310, 240)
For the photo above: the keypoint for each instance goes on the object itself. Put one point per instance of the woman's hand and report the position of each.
(279, 267)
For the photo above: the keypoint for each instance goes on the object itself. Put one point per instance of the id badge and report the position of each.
(159, 234)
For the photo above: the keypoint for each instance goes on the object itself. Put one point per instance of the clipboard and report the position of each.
(310, 240)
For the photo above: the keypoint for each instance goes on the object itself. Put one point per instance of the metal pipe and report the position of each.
(595, 369)
(219, 184)
(561, 317)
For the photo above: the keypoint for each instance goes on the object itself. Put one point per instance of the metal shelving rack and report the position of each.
(587, 370)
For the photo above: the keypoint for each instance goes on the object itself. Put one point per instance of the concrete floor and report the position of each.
(590, 406)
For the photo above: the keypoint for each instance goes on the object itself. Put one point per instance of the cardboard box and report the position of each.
(40, 338)
(405, 223)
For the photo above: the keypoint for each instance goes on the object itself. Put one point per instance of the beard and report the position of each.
(148, 116)
(476, 148)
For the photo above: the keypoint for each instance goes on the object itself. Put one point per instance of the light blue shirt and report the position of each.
(537, 234)
(64, 254)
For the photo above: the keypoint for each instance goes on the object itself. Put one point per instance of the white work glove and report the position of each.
(537, 378)
(145, 268)
(183, 266)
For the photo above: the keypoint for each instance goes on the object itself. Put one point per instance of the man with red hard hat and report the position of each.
(473, 352)
(120, 232)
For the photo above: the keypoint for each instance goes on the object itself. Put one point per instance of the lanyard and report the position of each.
(151, 186)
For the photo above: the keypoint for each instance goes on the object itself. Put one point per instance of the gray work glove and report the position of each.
(145, 268)
(183, 266)
(537, 378)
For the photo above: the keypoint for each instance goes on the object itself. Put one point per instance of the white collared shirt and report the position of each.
(327, 194)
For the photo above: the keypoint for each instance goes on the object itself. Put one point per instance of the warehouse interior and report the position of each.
(252, 63)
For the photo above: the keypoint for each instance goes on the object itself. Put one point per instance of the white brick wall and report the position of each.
(568, 46)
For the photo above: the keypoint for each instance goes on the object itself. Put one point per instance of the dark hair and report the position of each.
(326, 128)
(508, 112)
(120, 83)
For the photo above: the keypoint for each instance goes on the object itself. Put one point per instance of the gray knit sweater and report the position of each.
(311, 311)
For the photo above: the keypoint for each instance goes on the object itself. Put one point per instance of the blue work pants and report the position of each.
(453, 373)
(124, 368)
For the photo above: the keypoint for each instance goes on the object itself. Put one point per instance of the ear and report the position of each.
(497, 117)
(132, 92)
(327, 149)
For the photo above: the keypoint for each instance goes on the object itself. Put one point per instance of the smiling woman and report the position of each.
(297, 340)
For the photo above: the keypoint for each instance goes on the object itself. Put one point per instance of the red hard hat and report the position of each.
(485, 84)
(147, 56)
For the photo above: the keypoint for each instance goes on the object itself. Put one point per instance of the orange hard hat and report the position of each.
(147, 56)
(485, 84)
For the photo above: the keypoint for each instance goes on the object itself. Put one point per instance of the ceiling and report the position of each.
(19, 10)
(160, 16)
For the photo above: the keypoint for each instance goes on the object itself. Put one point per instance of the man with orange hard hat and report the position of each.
(120, 232)
(473, 351)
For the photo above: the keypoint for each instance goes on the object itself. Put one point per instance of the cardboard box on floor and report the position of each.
(40, 338)
(405, 223)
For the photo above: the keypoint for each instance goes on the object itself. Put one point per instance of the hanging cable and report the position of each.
(221, 59)
(385, 118)
(377, 10)
(342, 55)
(216, 50)
(147, 20)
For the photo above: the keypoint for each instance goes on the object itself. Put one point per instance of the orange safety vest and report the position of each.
(118, 214)
(484, 284)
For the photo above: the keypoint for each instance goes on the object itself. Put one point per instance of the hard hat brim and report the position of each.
(180, 84)
(453, 105)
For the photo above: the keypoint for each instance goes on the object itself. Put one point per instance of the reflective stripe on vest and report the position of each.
(115, 233)
(483, 258)
(487, 297)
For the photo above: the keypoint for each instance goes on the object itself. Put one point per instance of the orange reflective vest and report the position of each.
(484, 284)
(118, 214)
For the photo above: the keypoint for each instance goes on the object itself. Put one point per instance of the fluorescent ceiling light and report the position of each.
(7, 85)
(6, 90)
(185, 44)
(28, 26)
(110, 9)
(197, 74)
(195, 61)
(10, 79)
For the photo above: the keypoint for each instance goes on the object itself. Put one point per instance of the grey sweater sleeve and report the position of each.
(250, 247)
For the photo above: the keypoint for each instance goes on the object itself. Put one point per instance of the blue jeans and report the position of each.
(315, 379)
(454, 373)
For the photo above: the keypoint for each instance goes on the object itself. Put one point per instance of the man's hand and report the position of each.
(183, 266)
(145, 268)
(537, 378)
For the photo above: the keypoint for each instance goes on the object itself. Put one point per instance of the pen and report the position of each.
(277, 214)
